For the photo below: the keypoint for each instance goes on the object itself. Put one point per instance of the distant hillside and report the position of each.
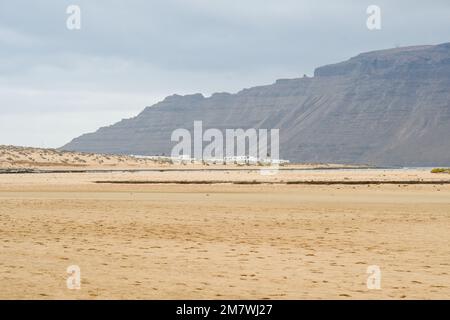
(388, 107)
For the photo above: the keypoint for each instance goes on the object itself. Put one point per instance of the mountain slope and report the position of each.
(388, 107)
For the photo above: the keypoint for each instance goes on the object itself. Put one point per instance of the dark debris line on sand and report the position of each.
(444, 182)
(31, 170)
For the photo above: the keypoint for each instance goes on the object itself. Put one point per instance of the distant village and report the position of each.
(240, 160)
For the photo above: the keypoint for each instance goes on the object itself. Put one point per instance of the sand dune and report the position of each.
(26, 157)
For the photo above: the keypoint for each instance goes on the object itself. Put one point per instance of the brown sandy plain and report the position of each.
(224, 241)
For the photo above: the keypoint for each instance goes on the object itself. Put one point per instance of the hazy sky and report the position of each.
(56, 83)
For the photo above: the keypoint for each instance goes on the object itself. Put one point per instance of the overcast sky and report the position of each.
(56, 83)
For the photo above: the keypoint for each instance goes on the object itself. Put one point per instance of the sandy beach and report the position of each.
(224, 157)
(224, 241)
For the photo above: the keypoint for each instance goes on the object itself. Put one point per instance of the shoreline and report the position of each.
(43, 171)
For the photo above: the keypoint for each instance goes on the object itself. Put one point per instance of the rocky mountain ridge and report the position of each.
(388, 108)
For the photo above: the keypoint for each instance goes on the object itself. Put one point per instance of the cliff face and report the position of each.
(389, 107)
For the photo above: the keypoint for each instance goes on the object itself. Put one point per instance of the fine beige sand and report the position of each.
(224, 241)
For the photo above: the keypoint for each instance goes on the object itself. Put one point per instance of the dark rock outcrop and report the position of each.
(389, 107)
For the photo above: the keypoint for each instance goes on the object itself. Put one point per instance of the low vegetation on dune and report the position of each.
(27, 157)
(441, 170)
